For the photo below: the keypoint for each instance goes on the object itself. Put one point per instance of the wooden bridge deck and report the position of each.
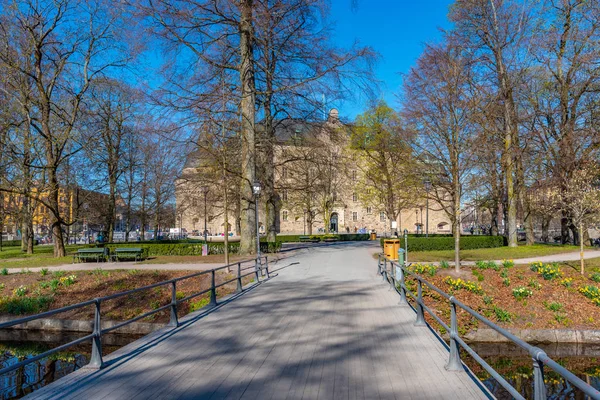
(327, 328)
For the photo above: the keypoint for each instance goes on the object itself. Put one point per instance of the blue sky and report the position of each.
(396, 29)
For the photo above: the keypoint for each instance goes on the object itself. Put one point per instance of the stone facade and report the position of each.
(345, 211)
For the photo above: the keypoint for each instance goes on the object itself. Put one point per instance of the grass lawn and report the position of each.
(13, 257)
(498, 253)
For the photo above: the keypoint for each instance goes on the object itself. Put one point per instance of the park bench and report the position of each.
(91, 254)
(129, 253)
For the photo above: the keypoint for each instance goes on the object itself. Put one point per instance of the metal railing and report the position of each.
(539, 358)
(258, 267)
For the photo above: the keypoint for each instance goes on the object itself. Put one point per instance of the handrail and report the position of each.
(258, 269)
(539, 357)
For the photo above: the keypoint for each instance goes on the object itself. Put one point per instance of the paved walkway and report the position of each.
(326, 328)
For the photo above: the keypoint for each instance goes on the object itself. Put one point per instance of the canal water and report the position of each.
(19, 345)
(516, 366)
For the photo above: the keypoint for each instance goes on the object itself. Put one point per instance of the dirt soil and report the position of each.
(577, 311)
(98, 283)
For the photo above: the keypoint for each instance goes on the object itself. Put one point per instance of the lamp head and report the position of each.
(256, 188)
(427, 184)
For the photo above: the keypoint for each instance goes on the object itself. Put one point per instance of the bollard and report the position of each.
(420, 311)
(454, 363)
(173, 322)
(96, 359)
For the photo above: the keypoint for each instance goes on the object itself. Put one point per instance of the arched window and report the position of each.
(443, 227)
(284, 215)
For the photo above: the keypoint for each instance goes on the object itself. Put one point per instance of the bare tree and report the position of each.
(438, 102)
(70, 44)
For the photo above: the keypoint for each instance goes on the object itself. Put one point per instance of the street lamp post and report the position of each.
(205, 192)
(256, 191)
(427, 190)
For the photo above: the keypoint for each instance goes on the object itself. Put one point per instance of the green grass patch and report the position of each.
(498, 253)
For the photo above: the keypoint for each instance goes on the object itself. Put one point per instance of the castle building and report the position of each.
(320, 187)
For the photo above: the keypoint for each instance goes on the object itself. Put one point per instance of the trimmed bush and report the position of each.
(192, 249)
(447, 243)
(342, 237)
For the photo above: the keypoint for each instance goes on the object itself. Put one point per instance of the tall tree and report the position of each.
(438, 103)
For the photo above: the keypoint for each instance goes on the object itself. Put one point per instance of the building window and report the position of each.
(354, 175)
(354, 197)
(369, 210)
(284, 173)
(284, 215)
(194, 202)
(382, 216)
(354, 216)
(334, 196)
(284, 196)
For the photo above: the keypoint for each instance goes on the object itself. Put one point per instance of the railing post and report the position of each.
(240, 288)
(454, 363)
(539, 387)
(379, 265)
(420, 312)
(256, 270)
(403, 301)
(384, 273)
(267, 266)
(213, 290)
(173, 322)
(96, 359)
(392, 276)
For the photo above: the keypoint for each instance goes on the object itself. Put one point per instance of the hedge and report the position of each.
(343, 237)
(191, 249)
(447, 243)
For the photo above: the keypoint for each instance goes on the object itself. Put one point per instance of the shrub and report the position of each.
(24, 305)
(488, 300)
(20, 291)
(533, 283)
(547, 271)
(553, 306)
(504, 273)
(478, 275)
(487, 265)
(506, 282)
(447, 243)
(502, 315)
(4, 271)
(58, 274)
(458, 284)
(195, 248)
(444, 264)
(424, 268)
(508, 263)
(595, 277)
(344, 237)
(592, 293)
(521, 292)
(67, 280)
(44, 271)
(567, 282)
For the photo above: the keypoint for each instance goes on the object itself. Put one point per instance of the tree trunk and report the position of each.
(247, 107)
(56, 224)
(564, 228)
(112, 200)
(226, 219)
(581, 262)
(545, 226)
